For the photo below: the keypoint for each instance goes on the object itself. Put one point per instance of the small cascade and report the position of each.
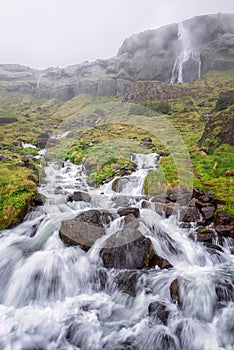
(189, 56)
(56, 296)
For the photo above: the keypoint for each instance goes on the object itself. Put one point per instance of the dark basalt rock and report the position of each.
(159, 311)
(205, 235)
(126, 281)
(79, 196)
(189, 214)
(127, 211)
(224, 291)
(208, 213)
(224, 224)
(119, 183)
(127, 249)
(160, 262)
(85, 229)
(175, 291)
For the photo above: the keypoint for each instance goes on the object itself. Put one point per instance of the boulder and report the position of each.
(79, 196)
(85, 228)
(224, 291)
(127, 211)
(127, 249)
(208, 213)
(159, 311)
(189, 214)
(119, 183)
(126, 281)
(160, 262)
(224, 224)
(175, 291)
(205, 235)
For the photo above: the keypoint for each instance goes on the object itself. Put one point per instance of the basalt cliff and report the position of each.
(174, 53)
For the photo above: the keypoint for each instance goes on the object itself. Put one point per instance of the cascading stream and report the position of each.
(55, 296)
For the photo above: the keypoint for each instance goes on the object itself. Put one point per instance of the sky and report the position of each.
(43, 33)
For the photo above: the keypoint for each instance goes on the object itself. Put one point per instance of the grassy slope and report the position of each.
(212, 171)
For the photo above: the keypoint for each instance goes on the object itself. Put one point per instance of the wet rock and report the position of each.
(58, 190)
(189, 214)
(43, 139)
(197, 192)
(213, 248)
(39, 199)
(224, 291)
(127, 211)
(126, 281)
(166, 209)
(85, 229)
(160, 262)
(175, 291)
(127, 249)
(224, 224)
(159, 311)
(205, 235)
(79, 196)
(119, 183)
(208, 213)
(59, 164)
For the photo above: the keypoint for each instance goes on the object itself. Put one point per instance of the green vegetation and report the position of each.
(206, 106)
(16, 193)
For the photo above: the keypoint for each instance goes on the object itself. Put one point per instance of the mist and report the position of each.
(42, 33)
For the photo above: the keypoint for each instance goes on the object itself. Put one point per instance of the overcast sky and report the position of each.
(42, 33)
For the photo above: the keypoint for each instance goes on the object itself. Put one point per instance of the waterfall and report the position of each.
(55, 296)
(188, 54)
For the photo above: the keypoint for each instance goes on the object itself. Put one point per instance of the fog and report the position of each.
(42, 33)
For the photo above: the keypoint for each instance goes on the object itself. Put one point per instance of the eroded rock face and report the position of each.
(85, 229)
(211, 36)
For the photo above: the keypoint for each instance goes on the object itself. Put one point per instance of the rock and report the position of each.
(127, 249)
(159, 311)
(119, 183)
(205, 235)
(224, 224)
(39, 199)
(224, 291)
(160, 262)
(225, 230)
(43, 139)
(128, 211)
(146, 140)
(197, 192)
(7, 120)
(189, 214)
(208, 213)
(85, 229)
(126, 281)
(213, 248)
(79, 196)
(175, 291)
(166, 209)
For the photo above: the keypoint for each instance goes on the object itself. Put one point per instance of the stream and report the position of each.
(55, 296)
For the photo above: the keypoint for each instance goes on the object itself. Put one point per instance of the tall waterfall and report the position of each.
(188, 54)
(54, 296)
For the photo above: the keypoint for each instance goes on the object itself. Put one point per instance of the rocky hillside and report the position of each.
(174, 53)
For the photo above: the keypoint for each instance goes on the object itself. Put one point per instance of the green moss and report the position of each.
(16, 193)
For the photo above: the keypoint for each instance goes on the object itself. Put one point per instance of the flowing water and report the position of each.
(57, 297)
(188, 53)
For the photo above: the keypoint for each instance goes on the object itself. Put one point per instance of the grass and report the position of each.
(113, 143)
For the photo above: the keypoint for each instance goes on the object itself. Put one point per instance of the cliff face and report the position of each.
(173, 53)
